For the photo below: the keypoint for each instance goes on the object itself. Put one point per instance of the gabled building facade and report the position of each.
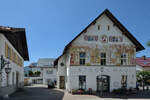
(13, 49)
(101, 57)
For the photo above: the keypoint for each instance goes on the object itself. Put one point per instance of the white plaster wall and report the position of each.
(49, 76)
(92, 72)
(15, 68)
(103, 21)
(61, 70)
(139, 68)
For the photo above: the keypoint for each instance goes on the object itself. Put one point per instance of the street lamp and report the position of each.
(7, 70)
(101, 69)
(2, 65)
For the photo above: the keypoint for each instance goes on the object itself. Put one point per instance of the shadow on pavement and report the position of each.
(37, 93)
(138, 95)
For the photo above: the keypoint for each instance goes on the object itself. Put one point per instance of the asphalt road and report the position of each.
(37, 93)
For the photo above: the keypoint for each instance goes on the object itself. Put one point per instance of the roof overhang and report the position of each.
(17, 37)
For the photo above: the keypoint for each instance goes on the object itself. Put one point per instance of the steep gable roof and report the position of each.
(139, 47)
(17, 37)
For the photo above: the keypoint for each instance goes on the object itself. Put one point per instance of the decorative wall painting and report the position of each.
(113, 54)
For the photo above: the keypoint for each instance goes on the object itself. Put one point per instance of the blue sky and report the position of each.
(51, 24)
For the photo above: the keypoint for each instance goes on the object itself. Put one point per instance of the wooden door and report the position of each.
(62, 82)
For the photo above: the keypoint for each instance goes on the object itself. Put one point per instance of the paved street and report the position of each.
(41, 92)
(38, 92)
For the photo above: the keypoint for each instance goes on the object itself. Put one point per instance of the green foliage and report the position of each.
(148, 43)
(30, 73)
(37, 73)
(143, 76)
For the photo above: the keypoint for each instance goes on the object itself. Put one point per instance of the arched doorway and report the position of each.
(103, 83)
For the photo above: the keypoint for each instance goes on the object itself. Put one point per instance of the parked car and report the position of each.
(51, 85)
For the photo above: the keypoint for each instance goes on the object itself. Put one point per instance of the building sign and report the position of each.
(104, 38)
(90, 38)
(115, 39)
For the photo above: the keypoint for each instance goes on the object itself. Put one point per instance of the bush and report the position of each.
(119, 91)
(74, 91)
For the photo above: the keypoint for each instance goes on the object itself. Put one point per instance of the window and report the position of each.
(98, 27)
(15, 57)
(82, 58)
(124, 81)
(113, 39)
(103, 58)
(9, 52)
(108, 27)
(82, 82)
(123, 59)
(49, 72)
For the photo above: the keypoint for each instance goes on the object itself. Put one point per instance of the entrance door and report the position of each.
(17, 79)
(62, 82)
(103, 83)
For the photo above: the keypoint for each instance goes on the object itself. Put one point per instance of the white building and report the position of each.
(105, 48)
(48, 72)
(13, 48)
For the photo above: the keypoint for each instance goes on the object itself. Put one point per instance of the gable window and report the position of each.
(9, 52)
(123, 59)
(49, 71)
(82, 58)
(108, 27)
(98, 27)
(124, 81)
(82, 82)
(103, 58)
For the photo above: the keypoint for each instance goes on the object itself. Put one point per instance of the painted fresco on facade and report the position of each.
(113, 54)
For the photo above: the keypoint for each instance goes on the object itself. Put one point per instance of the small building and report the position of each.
(101, 57)
(13, 52)
(143, 63)
(45, 68)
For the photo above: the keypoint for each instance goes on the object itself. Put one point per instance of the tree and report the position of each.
(143, 77)
(37, 73)
(30, 73)
(148, 43)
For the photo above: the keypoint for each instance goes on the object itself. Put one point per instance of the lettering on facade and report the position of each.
(103, 38)
(90, 38)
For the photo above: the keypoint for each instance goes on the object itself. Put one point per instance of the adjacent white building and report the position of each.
(47, 71)
(104, 49)
(13, 48)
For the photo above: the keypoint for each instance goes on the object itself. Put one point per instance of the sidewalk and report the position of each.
(69, 96)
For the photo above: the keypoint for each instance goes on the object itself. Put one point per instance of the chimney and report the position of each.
(144, 57)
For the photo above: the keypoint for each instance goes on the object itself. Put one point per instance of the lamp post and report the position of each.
(7, 70)
(2, 65)
(102, 69)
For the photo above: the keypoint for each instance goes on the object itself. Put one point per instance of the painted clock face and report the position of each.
(104, 39)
